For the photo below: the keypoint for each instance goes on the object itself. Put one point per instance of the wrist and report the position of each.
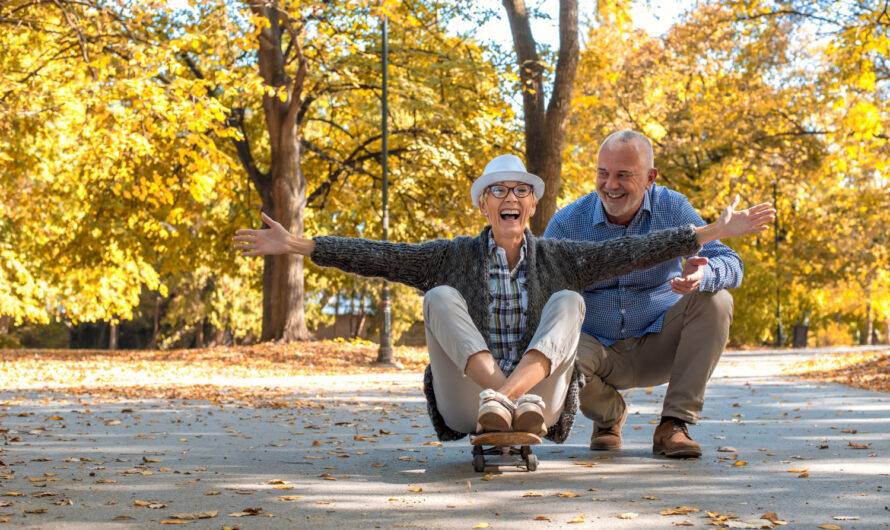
(707, 233)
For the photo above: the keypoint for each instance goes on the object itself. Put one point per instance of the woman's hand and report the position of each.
(734, 223)
(273, 240)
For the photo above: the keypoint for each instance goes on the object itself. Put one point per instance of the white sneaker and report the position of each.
(495, 412)
(529, 415)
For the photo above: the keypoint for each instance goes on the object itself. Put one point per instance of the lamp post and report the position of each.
(384, 353)
(776, 165)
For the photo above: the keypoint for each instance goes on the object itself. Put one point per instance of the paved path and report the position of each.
(359, 452)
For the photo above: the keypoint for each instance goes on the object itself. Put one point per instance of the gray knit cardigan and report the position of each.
(552, 265)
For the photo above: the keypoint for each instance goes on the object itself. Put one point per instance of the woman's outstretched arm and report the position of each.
(273, 240)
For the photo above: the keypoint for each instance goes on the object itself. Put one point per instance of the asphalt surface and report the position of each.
(359, 452)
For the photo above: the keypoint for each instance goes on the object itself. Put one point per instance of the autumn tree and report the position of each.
(140, 136)
(545, 122)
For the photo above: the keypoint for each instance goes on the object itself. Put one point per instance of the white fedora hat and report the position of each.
(502, 168)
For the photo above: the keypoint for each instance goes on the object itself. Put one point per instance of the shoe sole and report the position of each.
(531, 421)
(676, 453)
(604, 447)
(492, 421)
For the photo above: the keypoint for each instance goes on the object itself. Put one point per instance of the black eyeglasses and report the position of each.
(520, 190)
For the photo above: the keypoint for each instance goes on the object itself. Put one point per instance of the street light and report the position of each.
(384, 353)
(777, 165)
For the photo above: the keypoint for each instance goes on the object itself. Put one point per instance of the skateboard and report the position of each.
(508, 445)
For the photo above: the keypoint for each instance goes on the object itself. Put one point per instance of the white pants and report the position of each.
(452, 338)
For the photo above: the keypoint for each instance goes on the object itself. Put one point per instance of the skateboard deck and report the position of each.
(507, 446)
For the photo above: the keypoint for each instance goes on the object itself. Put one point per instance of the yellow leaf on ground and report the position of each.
(544, 518)
(566, 494)
(628, 515)
(415, 489)
(481, 525)
(679, 510)
(740, 463)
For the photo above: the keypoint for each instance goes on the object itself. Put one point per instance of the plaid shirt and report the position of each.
(635, 304)
(509, 301)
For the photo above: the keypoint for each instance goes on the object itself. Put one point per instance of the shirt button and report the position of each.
(622, 311)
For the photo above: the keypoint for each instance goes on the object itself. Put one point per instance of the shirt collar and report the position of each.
(493, 248)
(599, 213)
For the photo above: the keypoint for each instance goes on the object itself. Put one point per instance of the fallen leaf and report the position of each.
(679, 510)
(121, 517)
(830, 527)
(173, 521)
(532, 494)
(36, 510)
(481, 525)
(684, 523)
(727, 449)
(628, 515)
(852, 445)
(846, 517)
(415, 489)
(196, 515)
(740, 463)
(14, 494)
(544, 518)
(290, 497)
(577, 520)
(211, 492)
(566, 494)
(773, 517)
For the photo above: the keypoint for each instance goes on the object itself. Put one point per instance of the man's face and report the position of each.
(508, 215)
(622, 177)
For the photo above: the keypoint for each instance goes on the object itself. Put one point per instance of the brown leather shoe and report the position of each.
(608, 438)
(672, 440)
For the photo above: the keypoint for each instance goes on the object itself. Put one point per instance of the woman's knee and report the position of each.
(568, 301)
(441, 296)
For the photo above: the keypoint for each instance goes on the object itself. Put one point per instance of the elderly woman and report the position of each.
(502, 310)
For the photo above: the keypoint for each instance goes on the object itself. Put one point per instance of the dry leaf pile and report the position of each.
(220, 374)
(868, 370)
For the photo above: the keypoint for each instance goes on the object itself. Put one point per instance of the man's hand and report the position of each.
(693, 273)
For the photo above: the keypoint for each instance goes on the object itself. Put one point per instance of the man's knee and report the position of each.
(716, 305)
(439, 297)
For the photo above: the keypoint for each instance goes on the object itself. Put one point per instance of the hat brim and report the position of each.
(488, 179)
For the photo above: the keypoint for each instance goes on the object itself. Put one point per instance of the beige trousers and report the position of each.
(683, 355)
(452, 338)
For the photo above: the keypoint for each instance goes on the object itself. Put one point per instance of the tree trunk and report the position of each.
(887, 331)
(283, 188)
(156, 328)
(545, 130)
(869, 325)
(112, 335)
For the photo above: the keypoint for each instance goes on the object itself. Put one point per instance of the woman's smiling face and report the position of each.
(508, 215)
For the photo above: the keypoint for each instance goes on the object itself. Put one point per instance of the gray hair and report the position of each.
(628, 136)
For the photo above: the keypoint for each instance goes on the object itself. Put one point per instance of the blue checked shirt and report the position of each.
(635, 304)
(509, 301)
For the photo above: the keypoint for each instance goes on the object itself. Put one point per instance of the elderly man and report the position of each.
(502, 310)
(669, 323)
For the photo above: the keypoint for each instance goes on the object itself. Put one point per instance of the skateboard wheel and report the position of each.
(479, 463)
(524, 451)
(531, 462)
